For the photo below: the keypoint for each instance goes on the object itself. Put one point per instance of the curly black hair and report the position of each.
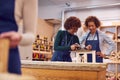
(72, 22)
(93, 19)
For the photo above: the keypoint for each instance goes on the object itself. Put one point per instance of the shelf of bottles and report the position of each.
(42, 49)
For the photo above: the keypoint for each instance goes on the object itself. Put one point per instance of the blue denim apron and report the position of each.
(7, 23)
(63, 55)
(95, 46)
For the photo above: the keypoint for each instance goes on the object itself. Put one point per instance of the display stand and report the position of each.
(81, 56)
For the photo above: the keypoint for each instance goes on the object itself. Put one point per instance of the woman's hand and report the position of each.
(74, 46)
(101, 54)
(88, 47)
(13, 36)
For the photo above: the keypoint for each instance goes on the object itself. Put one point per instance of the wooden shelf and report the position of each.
(41, 52)
(53, 21)
(118, 40)
(108, 26)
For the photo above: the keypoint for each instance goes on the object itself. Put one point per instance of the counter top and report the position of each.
(63, 65)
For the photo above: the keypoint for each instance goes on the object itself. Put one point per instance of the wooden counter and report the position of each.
(64, 70)
(10, 76)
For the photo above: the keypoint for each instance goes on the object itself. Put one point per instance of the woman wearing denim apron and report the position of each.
(11, 13)
(95, 40)
(66, 41)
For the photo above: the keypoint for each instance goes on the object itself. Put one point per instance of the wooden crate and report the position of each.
(4, 53)
(4, 49)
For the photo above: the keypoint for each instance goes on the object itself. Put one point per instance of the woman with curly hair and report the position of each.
(95, 39)
(66, 41)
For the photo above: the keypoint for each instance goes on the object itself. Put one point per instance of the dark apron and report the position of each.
(95, 46)
(63, 55)
(7, 23)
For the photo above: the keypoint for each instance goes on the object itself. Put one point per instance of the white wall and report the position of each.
(50, 12)
(104, 14)
(25, 52)
(54, 11)
(94, 2)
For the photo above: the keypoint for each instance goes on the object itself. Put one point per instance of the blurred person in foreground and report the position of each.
(11, 13)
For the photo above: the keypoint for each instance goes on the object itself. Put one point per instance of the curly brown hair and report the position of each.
(93, 19)
(72, 22)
